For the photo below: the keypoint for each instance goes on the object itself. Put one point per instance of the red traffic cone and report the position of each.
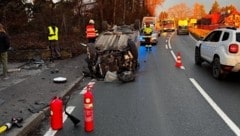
(178, 61)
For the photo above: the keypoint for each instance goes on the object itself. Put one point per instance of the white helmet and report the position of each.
(91, 21)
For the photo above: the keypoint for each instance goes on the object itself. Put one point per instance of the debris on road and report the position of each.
(54, 71)
(34, 63)
(14, 70)
(59, 79)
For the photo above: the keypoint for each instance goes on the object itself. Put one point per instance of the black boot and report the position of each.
(150, 47)
(146, 48)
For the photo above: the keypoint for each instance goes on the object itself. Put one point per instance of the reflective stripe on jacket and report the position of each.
(53, 33)
(90, 31)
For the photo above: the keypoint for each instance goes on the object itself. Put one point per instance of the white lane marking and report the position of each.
(91, 83)
(219, 111)
(170, 47)
(166, 46)
(175, 58)
(52, 132)
(85, 88)
(169, 44)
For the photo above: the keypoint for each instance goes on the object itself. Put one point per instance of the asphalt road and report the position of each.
(164, 100)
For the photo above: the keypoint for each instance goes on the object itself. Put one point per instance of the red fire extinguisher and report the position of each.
(88, 110)
(56, 109)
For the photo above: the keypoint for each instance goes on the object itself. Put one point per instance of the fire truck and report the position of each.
(168, 25)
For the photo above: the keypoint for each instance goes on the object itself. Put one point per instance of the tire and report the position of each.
(217, 70)
(126, 76)
(198, 59)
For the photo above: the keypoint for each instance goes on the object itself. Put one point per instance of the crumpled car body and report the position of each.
(114, 52)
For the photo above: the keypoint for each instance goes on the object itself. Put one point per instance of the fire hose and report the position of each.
(74, 119)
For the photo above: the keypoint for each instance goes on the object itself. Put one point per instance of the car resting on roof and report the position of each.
(113, 53)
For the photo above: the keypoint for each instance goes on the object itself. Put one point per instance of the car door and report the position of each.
(204, 45)
(210, 44)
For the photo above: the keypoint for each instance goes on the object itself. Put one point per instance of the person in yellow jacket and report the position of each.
(53, 42)
(148, 33)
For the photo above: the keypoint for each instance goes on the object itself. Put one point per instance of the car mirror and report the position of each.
(199, 42)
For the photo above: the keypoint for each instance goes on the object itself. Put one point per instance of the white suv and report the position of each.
(221, 48)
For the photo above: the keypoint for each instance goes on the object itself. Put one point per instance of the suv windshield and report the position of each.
(238, 37)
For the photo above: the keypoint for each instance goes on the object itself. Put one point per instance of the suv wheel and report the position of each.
(198, 59)
(217, 71)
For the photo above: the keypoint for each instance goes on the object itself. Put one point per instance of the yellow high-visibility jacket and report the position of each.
(53, 33)
(147, 30)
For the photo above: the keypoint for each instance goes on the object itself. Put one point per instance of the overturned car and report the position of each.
(114, 55)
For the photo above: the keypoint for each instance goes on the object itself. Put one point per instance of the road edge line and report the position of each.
(52, 132)
(219, 111)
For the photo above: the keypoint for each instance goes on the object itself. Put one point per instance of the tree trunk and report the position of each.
(114, 12)
(124, 11)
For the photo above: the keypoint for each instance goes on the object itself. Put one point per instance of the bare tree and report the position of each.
(215, 7)
(179, 11)
(163, 15)
(152, 4)
(198, 11)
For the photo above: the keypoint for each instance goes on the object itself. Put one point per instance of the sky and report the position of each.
(207, 3)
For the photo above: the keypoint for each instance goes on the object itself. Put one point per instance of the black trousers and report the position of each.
(55, 49)
(91, 40)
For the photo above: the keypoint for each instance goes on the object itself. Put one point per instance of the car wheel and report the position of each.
(217, 71)
(198, 59)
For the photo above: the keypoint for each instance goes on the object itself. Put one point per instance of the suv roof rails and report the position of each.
(228, 27)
